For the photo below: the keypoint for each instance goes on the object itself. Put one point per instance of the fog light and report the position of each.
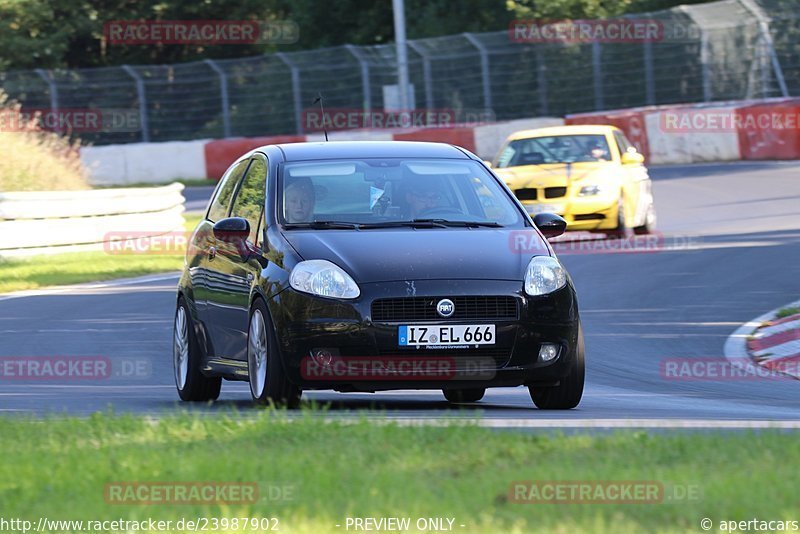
(324, 356)
(548, 352)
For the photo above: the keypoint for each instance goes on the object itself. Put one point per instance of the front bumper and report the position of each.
(581, 213)
(344, 332)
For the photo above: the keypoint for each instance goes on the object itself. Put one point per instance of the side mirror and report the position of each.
(632, 158)
(550, 224)
(232, 230)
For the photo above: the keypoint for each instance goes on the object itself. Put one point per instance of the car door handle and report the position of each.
(212, 253)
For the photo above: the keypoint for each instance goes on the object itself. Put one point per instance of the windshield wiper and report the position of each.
(466, 224)
(322, 225)
(416, 223)
(432, 223)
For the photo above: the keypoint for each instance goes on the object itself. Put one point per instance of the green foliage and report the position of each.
(66, 33)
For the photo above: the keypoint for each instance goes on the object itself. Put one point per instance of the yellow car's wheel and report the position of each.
(622, 230)
(649, 225)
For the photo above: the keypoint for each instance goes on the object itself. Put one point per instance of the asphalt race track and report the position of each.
(731, 253)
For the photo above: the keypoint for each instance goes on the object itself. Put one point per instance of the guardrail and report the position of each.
(60, 221)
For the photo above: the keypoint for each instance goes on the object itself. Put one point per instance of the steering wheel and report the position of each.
(445, 210)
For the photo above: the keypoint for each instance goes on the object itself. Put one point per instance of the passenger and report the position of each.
(298, 200)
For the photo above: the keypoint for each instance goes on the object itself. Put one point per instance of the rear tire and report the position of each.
(568, 393)
(268, 382)
(464, 395)
(192, 384)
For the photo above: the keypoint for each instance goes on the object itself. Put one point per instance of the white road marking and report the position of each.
(602, 423)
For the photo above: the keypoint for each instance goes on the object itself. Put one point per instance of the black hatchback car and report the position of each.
(367, 266)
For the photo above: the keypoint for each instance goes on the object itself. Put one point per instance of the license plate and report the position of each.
(422, 335)
(534, 209)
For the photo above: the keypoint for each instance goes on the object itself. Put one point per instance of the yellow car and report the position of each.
(590, 175)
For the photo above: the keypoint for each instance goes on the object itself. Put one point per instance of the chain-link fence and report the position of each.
(732, 49)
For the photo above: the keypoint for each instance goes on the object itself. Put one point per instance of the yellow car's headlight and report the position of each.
(590, 190)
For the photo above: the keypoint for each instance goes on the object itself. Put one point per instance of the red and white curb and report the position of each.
(768, 342)
(776, 344)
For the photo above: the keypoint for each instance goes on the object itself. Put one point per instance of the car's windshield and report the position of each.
(554, 149)
(375, 192)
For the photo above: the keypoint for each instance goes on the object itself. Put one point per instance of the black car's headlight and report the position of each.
(323, 278)
(544, 275)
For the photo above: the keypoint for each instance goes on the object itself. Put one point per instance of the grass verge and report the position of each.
(328, 471)
(34, 159)
(79, 267)
(787, 312)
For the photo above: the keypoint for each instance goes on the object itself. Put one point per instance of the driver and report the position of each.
(422, 196)
(597, 152)
(298, 199)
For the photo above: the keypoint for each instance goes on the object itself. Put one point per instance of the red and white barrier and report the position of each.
(484, 139)
(219, 154)
(672, 138)
(139, 163)
(684, 133)
(770, 130)
(721, 131)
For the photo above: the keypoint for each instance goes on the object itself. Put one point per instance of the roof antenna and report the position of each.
(324, 129)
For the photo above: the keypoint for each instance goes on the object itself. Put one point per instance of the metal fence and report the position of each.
(732, 49)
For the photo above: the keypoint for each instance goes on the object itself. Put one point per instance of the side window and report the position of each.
(249, 201)
(222, 200)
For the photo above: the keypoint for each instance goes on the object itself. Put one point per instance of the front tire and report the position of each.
(464, 395)
(268, 381)
(649, 225)
(192, 384)
(622, 231)
(568, 393)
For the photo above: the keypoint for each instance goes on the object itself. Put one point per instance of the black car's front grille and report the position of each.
(555, 192)
(424, 308)
(464, 359)
(525, 194)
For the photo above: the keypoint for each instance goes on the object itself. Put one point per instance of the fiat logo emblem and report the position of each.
(445, 307)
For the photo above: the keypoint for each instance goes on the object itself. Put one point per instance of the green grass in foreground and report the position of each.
(59, 468)
(78, 267)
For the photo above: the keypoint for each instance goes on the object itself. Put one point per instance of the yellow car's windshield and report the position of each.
(554, 149)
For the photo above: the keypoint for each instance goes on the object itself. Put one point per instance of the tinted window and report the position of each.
(249, 201)
(222, 200)
(554, 149)
(393, 190)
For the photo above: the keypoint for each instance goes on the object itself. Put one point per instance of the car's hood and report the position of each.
(552, 174)
(422, 254)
